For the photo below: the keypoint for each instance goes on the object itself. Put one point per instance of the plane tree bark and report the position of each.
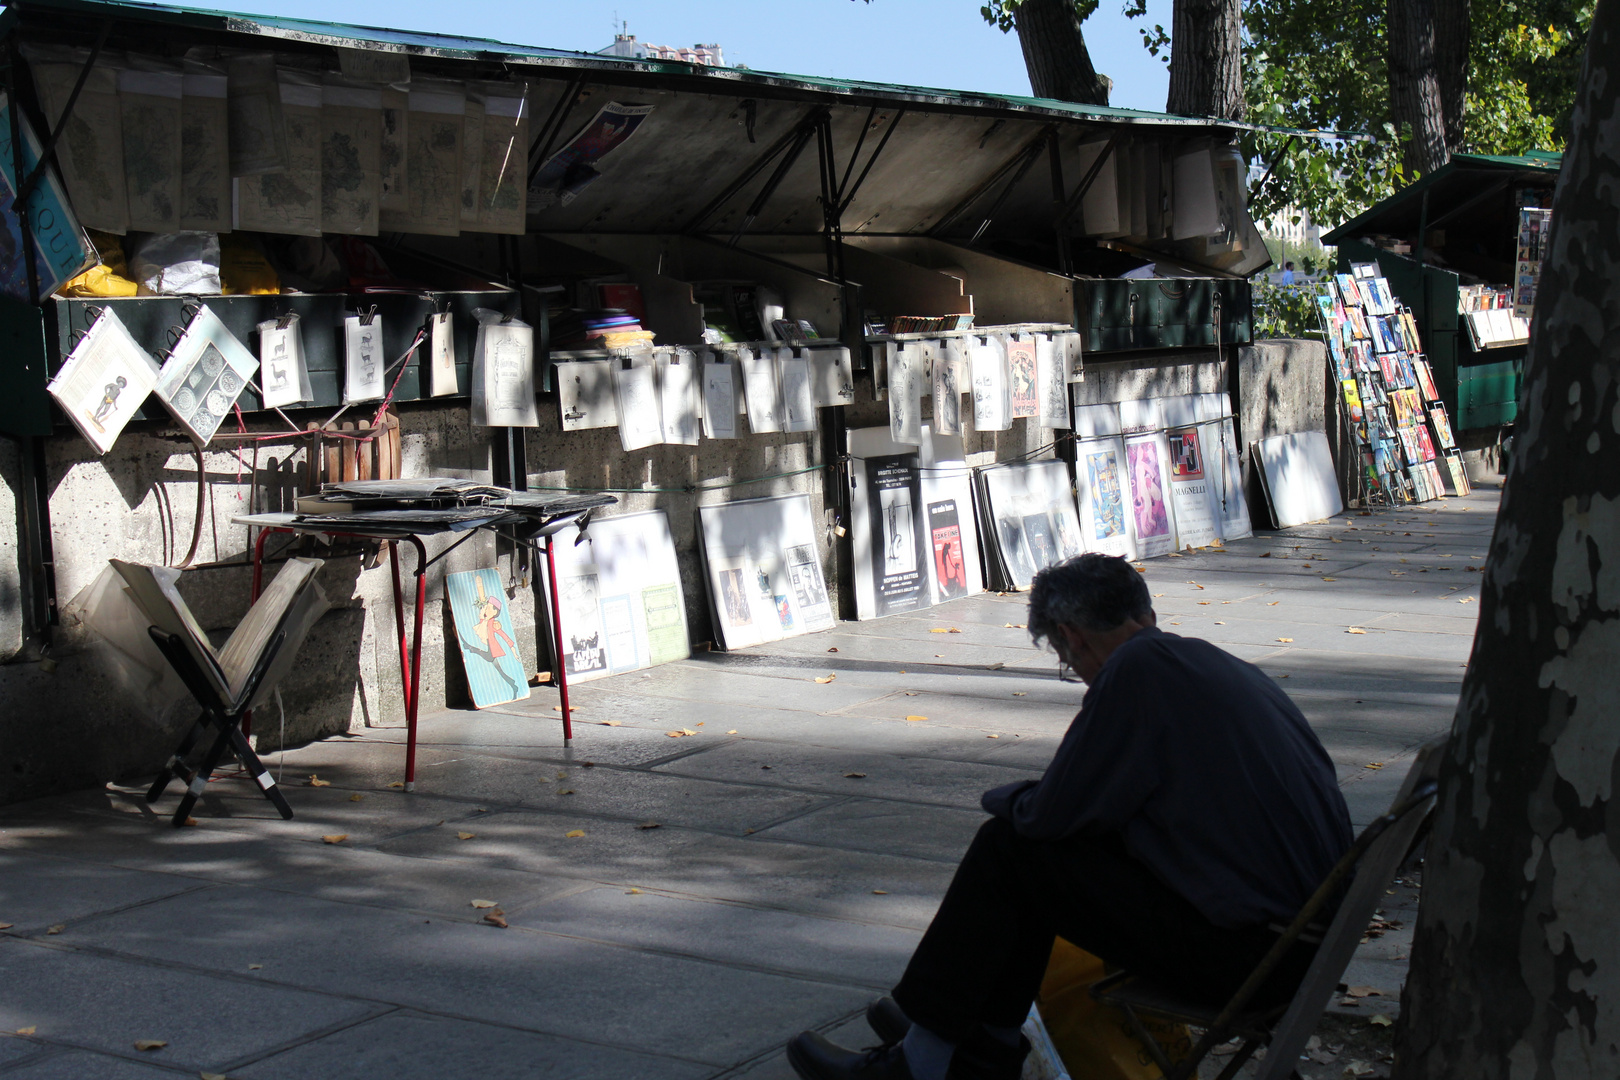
(1206, 59)
(1453, 25)
(1515, 969)
(1414, 85)
(1055, 53)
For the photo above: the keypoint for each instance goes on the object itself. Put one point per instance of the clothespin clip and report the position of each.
(285, 320)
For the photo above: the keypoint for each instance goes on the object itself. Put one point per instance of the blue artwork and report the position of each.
(60, 250)
(495, 671)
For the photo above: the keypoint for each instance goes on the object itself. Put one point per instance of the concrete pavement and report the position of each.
(677, 906)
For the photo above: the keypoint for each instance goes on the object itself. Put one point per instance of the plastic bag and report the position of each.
(1094, 1039)
(176, 264)
(128, 652)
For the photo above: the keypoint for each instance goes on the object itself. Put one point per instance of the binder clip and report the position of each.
(367, 316)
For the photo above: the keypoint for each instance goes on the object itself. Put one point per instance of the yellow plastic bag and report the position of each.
(1094, 1039)
(109, 277)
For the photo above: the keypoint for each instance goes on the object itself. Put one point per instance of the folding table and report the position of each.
(526, 517)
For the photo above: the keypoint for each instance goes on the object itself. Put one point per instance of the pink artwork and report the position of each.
(1147, 490)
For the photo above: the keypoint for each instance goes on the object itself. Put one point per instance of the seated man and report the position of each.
(1187, 815)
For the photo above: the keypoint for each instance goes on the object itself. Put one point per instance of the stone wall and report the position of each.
(65, 721)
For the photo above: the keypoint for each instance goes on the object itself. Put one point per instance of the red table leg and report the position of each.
(410, 661)
(562, 659)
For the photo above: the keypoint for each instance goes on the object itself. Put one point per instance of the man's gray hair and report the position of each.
(1089, 592)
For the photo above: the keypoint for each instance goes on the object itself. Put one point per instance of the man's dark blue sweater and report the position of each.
(1205, 769)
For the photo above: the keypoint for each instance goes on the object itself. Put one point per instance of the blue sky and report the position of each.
(941, 43)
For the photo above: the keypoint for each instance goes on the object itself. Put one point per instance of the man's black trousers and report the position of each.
(985, 953)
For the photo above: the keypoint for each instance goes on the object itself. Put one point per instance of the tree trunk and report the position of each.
(1055, 53)
(1206, 59)
(1452, 28)
(1516, 963)
(1414, 85)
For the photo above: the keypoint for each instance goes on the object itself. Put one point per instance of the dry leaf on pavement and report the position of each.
(6, 925)
(1364, 991)
(830, 678)
(1354, 630)
(650, 825)
(571, 708)
(609, 723)
(1374, 765)
(315, 781)
(1016, 625)
(465, 835)
(356, 797)
(733, 731)
(1020, 693)
(150, 1044)
(833, 649)
(496, 918)
(574, 833)
(57, 929)
(335, 838)
(1285, 639)
(1381, 1020)
(484, 904)
(854, 776)
(29, 1030)
(396, 785)
(915, 719)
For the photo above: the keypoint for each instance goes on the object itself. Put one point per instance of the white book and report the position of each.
(291, 604)
(104, 381)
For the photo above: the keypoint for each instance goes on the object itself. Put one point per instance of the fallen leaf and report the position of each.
(609, 723)
(880, 892)
(1204, 603)
(1282, 676)
(334, 838)
(29, 1030)
(566, 791)
(1330, 579)
(1264, 555)
(1305, 566)
(571, 708)
(700, 723)
(1157, 595)
(1285, 639)
(1465, 600)
(632, 892)
(1274, 603)
(212, 1076)
(315, 781)
(833, 649)
(574, 833)
(733, 731)
(1352, 1003)
(190, 822)
(1355, 630)
(150, 1044)
(465, 835)
(1357, 1068)
(1364, 991)
(396, 785)
(255, 967)
(484, 904)
(1019, 625)
(6, 925)
(650, 825)
(830, 678)
(356, 797)
(1020, 693)
(1381, 1020)
(1374, 765)
(992, 736)
(496, 918)
(57, 929)
(854, 776)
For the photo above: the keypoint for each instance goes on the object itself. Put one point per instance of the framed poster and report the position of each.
(763, 567)
(496, 673)
(1032, 518)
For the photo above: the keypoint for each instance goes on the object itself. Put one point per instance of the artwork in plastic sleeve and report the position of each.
(363, 359)
(1014, 553)
(898, 583)
(947, 396)
(582, 624)
(619, 633)
(442, 353)
(572, 169)
(804, 573)
(719, 402)
(1189, 486)
(734, 592)
(666, 624)
(59, 246)
(1042, 545)
(104, 381)
(799, 410)
(950, 569)
(991, 407)
(204, 375)
(905, 393)
(1105, 502)
(1147, 491)
(283, 372)
(1051, 383)
(495, 670)
(1021, 379)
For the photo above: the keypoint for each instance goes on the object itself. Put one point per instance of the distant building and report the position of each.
(1282, 226)
(627, 45)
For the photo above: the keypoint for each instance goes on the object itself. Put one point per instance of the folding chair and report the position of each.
(1284, 1030)
(224, 718)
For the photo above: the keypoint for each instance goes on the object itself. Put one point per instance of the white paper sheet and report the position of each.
(1300, 478)
(1032, 517)
(719, 400)
(585, 396)
(363, 359)
(1052, 385)
(1095, 421)
(798, 406)
(503, 368)
(283, 372)
(635, 388)
(760, 388)
(678, 376)
(948, 378)
(906, 380)
(104, 380)
(441, 345)
(832, 379)
(992, 408)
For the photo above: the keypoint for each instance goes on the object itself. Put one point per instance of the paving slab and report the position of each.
(767, 899)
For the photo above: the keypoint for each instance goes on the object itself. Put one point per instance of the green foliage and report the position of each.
(1000, 13)
(1157, 40)
(1285, 311)
(1320, 64)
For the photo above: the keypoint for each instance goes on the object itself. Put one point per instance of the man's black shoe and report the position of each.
(814, 1058)
(887, 1021)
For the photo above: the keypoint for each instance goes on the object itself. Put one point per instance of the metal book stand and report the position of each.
(225, 718)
